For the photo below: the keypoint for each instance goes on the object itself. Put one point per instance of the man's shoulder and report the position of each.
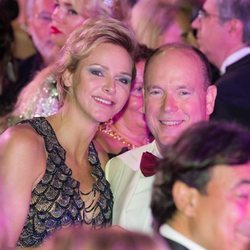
(236, 73)
(126, 164)
(174, 245)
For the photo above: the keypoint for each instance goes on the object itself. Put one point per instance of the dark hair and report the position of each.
(10, 8)
(205, 65)
(8, 67)
(143, 53)
(6, 38)
(191, 158)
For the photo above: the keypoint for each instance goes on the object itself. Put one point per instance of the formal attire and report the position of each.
(56, 201)
(131, 189)
(176, 240)
(232, 101)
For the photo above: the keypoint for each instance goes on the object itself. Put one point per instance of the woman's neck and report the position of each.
(73, 134)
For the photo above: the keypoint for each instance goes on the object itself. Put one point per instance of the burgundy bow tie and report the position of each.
(149, 164)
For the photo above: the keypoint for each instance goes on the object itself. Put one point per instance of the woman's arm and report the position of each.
(22, 164)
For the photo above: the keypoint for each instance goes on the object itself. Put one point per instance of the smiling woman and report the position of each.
(115, 135)
(53, 161)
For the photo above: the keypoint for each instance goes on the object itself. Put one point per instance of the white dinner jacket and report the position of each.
(131, 189)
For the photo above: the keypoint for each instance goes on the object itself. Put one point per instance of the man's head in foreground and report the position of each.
(202, 188)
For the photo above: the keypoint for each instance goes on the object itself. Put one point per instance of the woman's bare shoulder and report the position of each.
(20, 137)
(21, 149)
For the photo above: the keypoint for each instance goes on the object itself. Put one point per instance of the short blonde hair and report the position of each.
(151, 19)
(85, 39)
(118, 9)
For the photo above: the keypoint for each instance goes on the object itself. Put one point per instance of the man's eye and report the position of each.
(154, 92)
(244, 196)
(44, 17)
(184, 93)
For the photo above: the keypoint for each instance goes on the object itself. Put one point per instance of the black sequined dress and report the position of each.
(56, 200)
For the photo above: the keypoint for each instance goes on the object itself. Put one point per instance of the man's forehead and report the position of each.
(210, 5)
(181, 61)
(166, 55)
(234, 175)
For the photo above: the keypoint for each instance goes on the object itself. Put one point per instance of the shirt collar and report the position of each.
(170, 233)
(236, 56)
(155, 150)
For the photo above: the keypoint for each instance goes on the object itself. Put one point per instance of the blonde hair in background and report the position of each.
(118, 9)
(150, 19)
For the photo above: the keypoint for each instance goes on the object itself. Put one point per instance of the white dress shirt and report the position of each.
(236, 56)
(168, 232)
(131, 189)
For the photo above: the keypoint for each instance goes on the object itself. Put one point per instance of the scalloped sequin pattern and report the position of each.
(56, 201)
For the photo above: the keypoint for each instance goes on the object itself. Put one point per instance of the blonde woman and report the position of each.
(52, 175)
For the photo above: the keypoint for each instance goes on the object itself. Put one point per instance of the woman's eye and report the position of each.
(138, 90)
(72, 12)
(124, 80)
(96, 72)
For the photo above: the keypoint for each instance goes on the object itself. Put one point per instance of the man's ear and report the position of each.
(210, 99)
(67, 78)
(235, 26)
(185, 198)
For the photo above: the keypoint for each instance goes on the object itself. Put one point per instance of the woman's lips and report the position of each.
(54, 30)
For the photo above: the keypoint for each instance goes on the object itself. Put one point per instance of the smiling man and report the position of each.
(201, 194)
(177, 94)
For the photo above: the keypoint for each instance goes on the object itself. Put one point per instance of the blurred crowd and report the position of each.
(124, 124)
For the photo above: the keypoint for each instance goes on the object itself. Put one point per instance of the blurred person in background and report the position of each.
(159, 22)
(223, 34)
(38, 23)
(104, 239)
(68, 14)
(23, 46)
(8, 69)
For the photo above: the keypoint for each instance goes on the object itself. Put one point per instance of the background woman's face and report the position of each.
(134, 107)
(65, 19)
